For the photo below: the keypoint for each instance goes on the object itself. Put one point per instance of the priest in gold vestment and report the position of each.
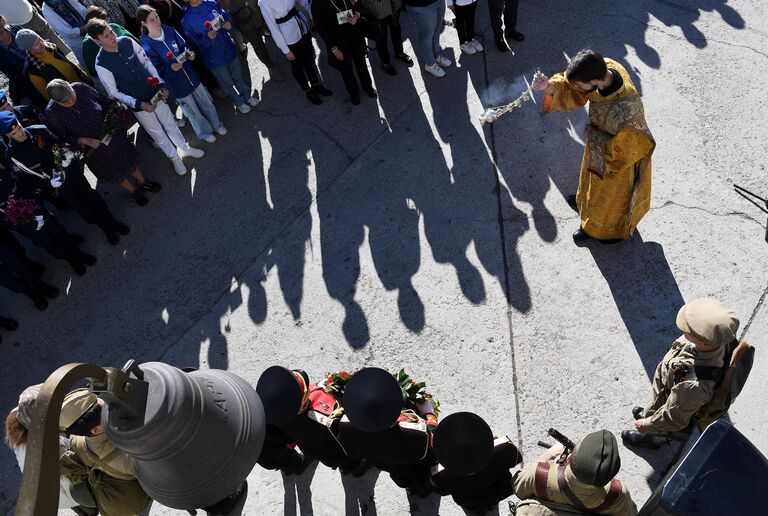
(614, 189)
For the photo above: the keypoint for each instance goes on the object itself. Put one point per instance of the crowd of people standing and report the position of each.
(81, 72)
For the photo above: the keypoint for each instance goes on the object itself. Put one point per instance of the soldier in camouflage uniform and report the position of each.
(686, 378)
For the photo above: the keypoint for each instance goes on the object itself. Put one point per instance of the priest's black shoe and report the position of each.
(371, 92)
(501, 45)
(514, 35)
(580, 236)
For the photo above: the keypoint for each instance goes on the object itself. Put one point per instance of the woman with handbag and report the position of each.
(248, 20)
(385, 14)
(336, 21)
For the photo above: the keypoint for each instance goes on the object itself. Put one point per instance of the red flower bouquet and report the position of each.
(335, 383)
(170, 54)
(207, 24)
(153, 81)
(18, 212)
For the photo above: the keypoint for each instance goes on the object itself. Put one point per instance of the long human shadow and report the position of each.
(460, 203)
(646, 294)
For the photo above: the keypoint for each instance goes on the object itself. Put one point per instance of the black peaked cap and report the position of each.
(373, 400)
(463, 443)
(280, 394)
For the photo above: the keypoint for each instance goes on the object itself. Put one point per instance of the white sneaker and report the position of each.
(468, 48)
(180, 122)
(435, 70)
(443, 61)
(477, 45)
(191, 152)
(253, 101)
(244, 108)
(208, 138)
(221, 131)
(178, 166)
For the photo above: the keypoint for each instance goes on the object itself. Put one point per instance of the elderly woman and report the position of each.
(17, 426)
(76, 114)
(45, 62)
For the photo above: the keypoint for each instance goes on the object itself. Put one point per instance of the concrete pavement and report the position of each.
(402, 233)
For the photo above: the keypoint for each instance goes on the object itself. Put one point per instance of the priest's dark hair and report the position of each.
(587, 65)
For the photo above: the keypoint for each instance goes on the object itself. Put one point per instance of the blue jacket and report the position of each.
(180, 83)
(218, 51)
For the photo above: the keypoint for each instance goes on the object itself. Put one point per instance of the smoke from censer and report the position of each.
(501, 91)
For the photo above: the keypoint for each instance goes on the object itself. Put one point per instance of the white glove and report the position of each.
(57, 181)
(40, 222)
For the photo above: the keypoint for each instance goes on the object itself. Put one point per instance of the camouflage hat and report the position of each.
(709, 320)
(596, 459)
(76, 403)
(26, 404)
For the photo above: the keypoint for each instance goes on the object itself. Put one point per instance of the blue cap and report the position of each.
(7, 122)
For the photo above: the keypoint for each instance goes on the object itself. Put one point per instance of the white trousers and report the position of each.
(161, 126)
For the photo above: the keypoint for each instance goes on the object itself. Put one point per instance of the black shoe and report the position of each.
(405, 58)
(78, 267)
(581, 236)
(313, 98)
(355, 100)
(76, 239)
(50, 291)
(389, 69)
(514, 35)
(322, 90)
(638, 413)
(139, 198)
(571, 200)
(635, 438)
(87, 259)
(501, 45)
(150, 186)
(371, 92)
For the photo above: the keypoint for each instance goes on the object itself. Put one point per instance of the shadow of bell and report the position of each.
(720, 473)
(201, 435)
